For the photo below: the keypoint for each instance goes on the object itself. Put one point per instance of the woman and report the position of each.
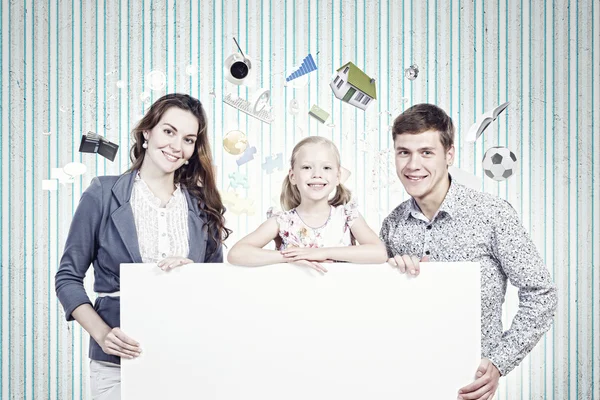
(166, 210)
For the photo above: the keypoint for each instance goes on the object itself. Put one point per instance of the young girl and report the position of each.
(166, 210)
(313, 228)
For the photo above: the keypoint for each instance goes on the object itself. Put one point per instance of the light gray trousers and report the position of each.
(105, 380)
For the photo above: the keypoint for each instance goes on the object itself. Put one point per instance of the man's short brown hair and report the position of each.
(424, 117)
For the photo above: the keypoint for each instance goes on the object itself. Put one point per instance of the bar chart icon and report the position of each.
(308, 65)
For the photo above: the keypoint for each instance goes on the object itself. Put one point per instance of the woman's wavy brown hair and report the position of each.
(197, 176)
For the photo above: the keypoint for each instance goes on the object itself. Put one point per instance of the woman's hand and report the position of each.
(172, 262)
(117, 343)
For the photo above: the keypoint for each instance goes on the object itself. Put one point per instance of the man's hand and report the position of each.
(406, 263)
(485, 384)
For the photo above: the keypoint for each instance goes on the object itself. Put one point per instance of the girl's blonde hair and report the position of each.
(290, 196)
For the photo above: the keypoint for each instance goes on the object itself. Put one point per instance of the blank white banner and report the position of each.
(283, 332)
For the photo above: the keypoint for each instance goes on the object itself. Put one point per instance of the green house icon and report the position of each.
(351, 85)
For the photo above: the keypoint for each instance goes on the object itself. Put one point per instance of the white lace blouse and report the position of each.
(162, 232)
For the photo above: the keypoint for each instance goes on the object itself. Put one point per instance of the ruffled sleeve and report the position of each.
(351, 212)
(272, 212)
(283, 222)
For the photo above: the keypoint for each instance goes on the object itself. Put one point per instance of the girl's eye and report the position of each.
(168, 131)
(190, 141)
(305, 167)
(327, 167)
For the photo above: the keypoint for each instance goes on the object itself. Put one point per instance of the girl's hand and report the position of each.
(172, 262)
(311, 264)
(119, 344)
(293, 254)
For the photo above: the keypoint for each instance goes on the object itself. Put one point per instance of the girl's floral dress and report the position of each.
(335, 232)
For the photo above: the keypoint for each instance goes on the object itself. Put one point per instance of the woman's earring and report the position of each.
(145, 144)
(186, 162)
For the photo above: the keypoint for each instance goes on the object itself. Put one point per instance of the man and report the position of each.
(445, 221)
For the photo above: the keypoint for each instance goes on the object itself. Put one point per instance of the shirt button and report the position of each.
(428, 226)
(162, 214)
(427, 252)
(164, 255)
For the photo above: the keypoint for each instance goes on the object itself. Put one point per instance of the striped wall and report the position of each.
(61, 61)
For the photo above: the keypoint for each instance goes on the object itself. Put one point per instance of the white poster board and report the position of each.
(284, 332)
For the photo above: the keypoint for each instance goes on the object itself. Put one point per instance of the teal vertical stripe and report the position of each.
(57, 161)
(270, 77)
(530, 158)
(245, 168)
(317, 40)
(387, 123)
(341, 129)
(33, 192)
(476, 162)
(521, 193)
(475, 80)
(104, 78)
(437, 22)
(174, 41)
(262, 32)
(545, 180)
(451, 59)
(355, 109)
(120, 61)
(78, 134)
(198, 56)
(427, 65)
(553, 185)
(378, 104)
(577, 196)
(214, 52)
(167, 44)
(412, 46)
(364, 63)
(1, 200)
(143, 50)
(593, 205)
(315, 56)
(190, 50)
(10, 263)
(246, 115)
(24, 199)
(73, 141)
(48, 166)
(285, 144)
(222, 61)
(458, 112)
(128, 123)
(498, 78)
(152, 45)
(569, 195)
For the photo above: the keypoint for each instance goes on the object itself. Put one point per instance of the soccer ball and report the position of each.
(499, 163)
